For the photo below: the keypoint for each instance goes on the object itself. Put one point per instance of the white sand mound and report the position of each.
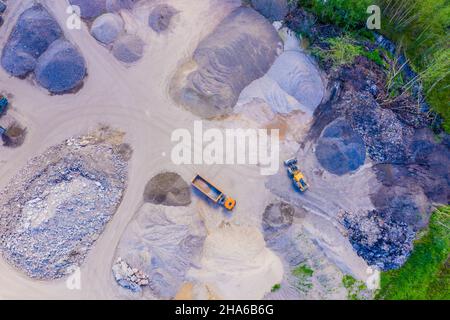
(236, 264)
(292, 83)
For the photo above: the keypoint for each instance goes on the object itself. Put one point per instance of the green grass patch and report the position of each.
(425, 276)
(276, 287)
(303, 273)
(354, 287)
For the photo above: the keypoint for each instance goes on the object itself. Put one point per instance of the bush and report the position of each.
(347, 14)
(422, 29)
(425, 276)
(342, 50)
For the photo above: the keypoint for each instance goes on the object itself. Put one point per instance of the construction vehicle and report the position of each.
(2, 132)
(3, 104)
(213, 193)
(296, 175)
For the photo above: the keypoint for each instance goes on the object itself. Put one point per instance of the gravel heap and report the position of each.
(160, 17)
(107, 28)
(90, 8)
(55, 208)
(60, 68)
(273, 10)
(340, 149)
(128, 48)
(37, 44)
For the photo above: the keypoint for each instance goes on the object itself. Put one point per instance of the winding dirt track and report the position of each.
(133, 99)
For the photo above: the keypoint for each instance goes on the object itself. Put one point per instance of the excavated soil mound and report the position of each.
(168, 189)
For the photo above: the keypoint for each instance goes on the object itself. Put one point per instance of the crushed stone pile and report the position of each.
(273, 10)
(107, 28)
(90, 9)
(240, 50)
(340, 149)
(61, 68)
(160, 17)
(37, 44)
(35, 30)
(56, 207)
(168, 189)
(128, 48)
(380, 240)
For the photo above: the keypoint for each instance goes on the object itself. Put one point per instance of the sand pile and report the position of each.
(236, 264)
(292, 83)
(168, 189)
(162, 243)
(241, 49)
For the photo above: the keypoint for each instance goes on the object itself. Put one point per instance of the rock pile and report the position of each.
(340, 149)
(60, 69)
(128, 277)
(380, 240)
(56, 207)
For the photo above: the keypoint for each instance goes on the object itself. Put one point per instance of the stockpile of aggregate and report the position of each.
(37, 44)
(55, 208)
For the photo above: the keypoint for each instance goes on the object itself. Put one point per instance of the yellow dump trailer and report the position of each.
(213, 193)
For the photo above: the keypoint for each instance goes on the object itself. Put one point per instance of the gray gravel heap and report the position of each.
(90, 9)
(61, 68)
(128, 48)
(2, 6)
(35, 30)
(273, 10)
(160, 17)
(107, 28)
(340, 149)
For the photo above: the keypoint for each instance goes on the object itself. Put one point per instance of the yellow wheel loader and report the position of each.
(296, 175)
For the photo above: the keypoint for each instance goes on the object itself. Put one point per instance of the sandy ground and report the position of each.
(134, 99)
